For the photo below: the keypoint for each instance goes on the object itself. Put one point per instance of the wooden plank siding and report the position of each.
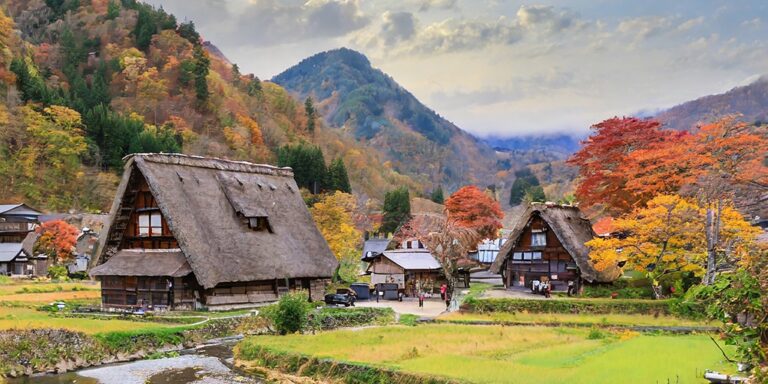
(556, 264)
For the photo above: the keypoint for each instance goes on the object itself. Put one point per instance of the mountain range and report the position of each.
(353, 96)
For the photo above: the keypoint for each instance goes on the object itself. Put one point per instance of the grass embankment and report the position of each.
(498, 354)
(613, 319)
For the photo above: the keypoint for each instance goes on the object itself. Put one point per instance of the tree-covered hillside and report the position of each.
(415, 140)
(88, 82)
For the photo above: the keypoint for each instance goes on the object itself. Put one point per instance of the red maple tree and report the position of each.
(472, 208)
(57, 240)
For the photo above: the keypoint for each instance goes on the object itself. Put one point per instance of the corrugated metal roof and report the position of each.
(412, 259)
(9, 251)
(374, 246)
(18, 210)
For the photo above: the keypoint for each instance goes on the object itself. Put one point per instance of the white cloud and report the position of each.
(426, 5)
(755, 23)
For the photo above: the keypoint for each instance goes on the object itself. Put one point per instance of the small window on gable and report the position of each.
(150, 224)
(260, 223)
(538, 239)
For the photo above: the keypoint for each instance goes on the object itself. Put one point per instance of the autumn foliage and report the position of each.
(628, 161)
(471, 208)
(57, 240)
(667, 236)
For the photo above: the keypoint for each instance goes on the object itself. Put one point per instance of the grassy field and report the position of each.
(19, 301)
(582, 319)
(497, 354)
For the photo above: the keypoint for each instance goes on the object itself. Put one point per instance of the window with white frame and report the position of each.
(538, 239)
(536, 255)
(150, 224)
(517, 256)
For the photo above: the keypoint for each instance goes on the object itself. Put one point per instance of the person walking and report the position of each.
(421, 299)
(443, 290)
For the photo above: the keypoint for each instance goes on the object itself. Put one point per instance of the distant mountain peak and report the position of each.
(352, 94)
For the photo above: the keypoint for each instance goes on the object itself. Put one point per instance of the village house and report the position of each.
(17, 238)
(547, 244)
(189, 232)
(411, 266)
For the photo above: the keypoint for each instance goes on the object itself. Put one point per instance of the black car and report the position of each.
(342, 296)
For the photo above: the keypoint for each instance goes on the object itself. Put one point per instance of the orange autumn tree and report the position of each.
(601, 160)
(57, 240)
(472, 208)
(720, 161)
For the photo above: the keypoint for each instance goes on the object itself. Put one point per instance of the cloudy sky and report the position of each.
(509, 67)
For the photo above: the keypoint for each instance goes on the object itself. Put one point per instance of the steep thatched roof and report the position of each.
(206, 203)
(570, 227)
(138, 262)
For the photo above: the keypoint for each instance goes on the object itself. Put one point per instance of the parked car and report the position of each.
(345, 297)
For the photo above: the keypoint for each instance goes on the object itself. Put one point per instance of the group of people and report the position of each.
(445, 295)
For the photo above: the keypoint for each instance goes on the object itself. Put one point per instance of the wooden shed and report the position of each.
(547, 244)
(193, 232)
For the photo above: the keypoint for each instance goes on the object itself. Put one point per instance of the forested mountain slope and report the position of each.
(362, 100)
(88, 82)
(749, 101)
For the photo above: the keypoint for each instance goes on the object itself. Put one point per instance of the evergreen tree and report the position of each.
(338, 177)
(254, 87)
(525, 181)
(202, 64)
(187, 31)
(236, 75)
(113, 10)
(437, 195)
(308, 166)
(397, 209)
(309, 108)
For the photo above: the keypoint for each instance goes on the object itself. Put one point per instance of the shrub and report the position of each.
(593, 306)
(57, 272)
(5, 280)
(330, 318)
(595, 334)
(291, 314)
(409, 320)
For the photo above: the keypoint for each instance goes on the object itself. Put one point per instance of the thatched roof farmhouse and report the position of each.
(204, 232)
(547, 244)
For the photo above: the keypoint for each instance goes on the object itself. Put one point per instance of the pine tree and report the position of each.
(338, 177)
(437, 195)
(397, 209)
(308, 166)
(254, 87)
(113, 10)
(202, 64)
(236, 75)
(526, 183)
(309, 108)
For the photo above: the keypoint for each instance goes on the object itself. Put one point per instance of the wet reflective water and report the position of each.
(211, 364)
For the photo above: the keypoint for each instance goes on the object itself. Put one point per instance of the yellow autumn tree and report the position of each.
(334, 216)
(667, 236)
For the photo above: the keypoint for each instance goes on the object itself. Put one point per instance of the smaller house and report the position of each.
(16, 221)
(15, 260)
(84, 249)
(547, 243)
(412, 269)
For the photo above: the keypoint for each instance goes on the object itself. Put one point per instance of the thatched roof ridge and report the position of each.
(211, 163)
(570, 227)
(203, 200)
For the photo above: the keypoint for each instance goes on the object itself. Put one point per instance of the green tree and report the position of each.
(202, 65)
(236, 75)
(525, 184)
(308, 165)
(309, 109)
(437, 195)
(113, 10)
(254, 87)
(338, 177)
(188, 32)
(397, 209)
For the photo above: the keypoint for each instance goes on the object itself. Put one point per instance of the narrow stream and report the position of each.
(210, 364)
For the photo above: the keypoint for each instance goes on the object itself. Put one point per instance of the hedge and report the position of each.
(586, 306)
(327, 369)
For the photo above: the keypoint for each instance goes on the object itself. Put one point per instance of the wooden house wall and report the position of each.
(145, 203)
(382, 265)
(555, 259)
